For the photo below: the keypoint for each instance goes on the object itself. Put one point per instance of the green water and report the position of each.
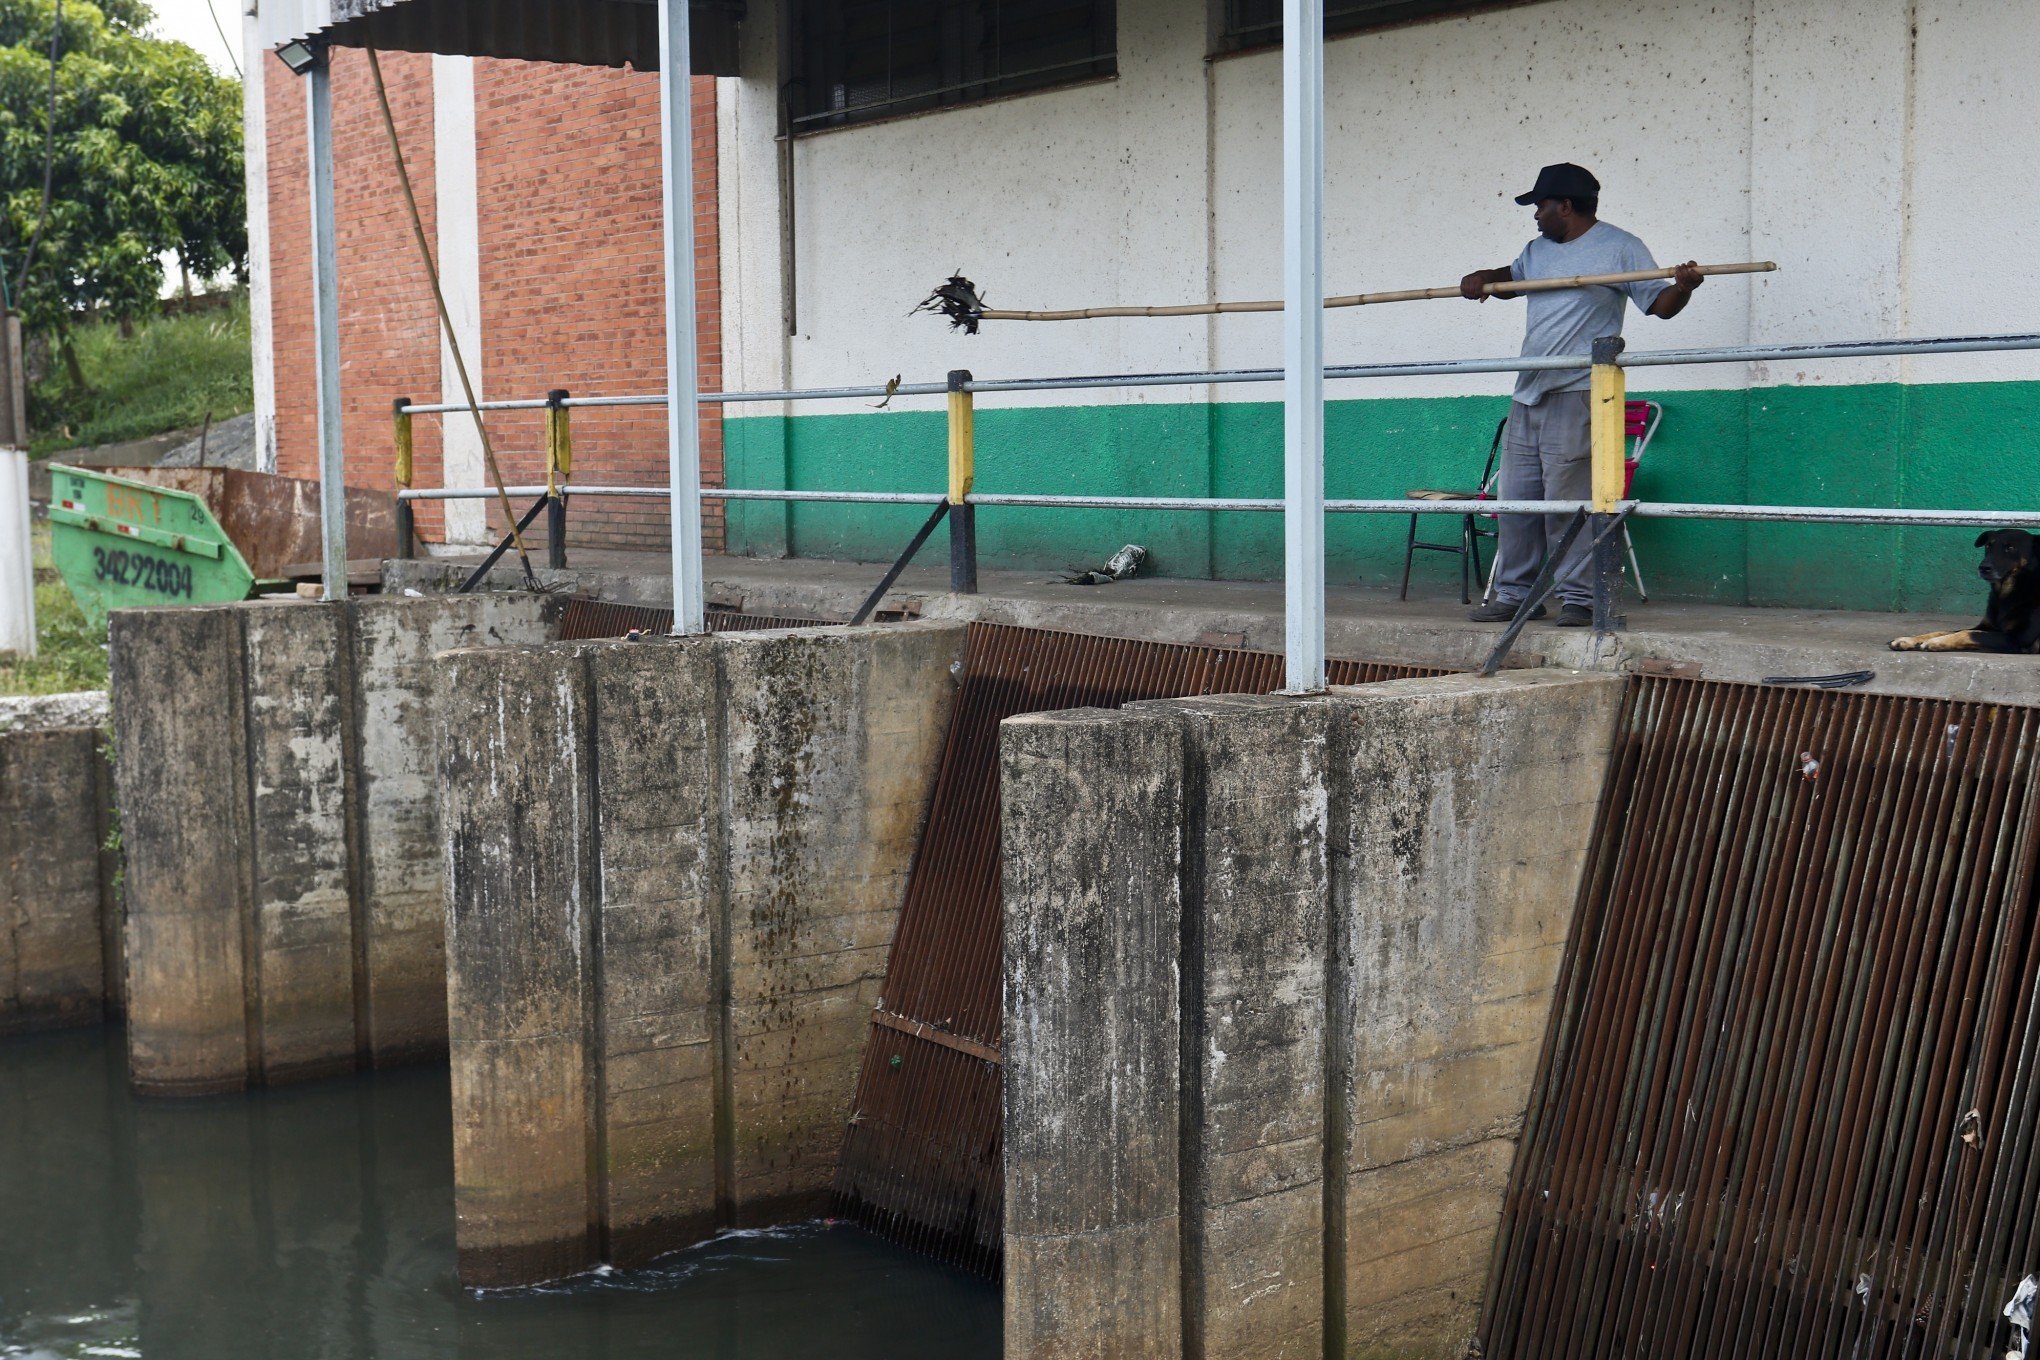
(318, 1222)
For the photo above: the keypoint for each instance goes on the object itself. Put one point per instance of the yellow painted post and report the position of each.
(1607, 403)
(962, 440)
(559, 441)
(402, 438)
(559, 470)
(1609, 399)
(962, 473)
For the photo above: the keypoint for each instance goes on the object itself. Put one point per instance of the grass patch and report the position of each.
(166, 376)
(70, 655)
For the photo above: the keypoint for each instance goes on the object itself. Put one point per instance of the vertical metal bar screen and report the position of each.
(1788, 1099)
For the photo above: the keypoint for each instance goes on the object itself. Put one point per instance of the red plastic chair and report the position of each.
(1640, 422)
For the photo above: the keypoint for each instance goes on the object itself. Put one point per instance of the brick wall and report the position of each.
(573, 292)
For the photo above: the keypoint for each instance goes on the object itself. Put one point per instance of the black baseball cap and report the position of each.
(1561, 181)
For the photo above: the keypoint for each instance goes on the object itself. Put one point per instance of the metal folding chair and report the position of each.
(1467, 549)
(1640, 421)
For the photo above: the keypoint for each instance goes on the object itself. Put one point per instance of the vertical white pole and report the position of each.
(683, 430)
(17, 557)
(326, 332)
(1303, 343)
(257, 64)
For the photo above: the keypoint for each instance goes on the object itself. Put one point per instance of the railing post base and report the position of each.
(407, 532)
(1606, 531)
(556, 530)
(963, 549)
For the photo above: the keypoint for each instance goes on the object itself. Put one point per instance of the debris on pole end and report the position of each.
(958, 301)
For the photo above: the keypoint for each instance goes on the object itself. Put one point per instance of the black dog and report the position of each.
(2011, 621)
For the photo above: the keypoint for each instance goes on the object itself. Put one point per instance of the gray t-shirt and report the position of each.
(1569, 320)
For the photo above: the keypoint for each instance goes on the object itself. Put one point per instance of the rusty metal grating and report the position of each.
(1789, 1101)
(586, 620)
(920, 1160)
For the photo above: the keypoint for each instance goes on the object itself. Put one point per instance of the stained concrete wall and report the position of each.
(281, 849)
(673, 870)
(1369, 895)
(60, 961)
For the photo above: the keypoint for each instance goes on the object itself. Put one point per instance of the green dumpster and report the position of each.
(120, 543)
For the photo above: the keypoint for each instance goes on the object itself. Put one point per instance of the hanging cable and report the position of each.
(382, 95)
(221, 29)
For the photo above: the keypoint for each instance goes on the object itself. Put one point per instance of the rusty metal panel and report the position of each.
(921, 1156)
(578, 32)
(584, 619)
(1788, 1098)
(274, 520)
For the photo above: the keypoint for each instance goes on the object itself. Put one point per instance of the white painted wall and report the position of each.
(457, 207)
(1879, 150)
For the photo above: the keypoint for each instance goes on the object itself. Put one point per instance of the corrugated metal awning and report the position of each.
(575, 32)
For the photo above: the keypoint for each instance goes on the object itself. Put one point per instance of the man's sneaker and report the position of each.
(1500, 611)
(1575, 616)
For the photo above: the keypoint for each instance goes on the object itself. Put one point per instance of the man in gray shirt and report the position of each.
(1545, 454)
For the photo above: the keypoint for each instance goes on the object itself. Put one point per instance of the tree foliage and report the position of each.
(148, 161)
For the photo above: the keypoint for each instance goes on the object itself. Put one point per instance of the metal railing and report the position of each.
(1597, 515)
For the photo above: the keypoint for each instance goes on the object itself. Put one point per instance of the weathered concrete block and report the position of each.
(1459, 826)
(54, 967)
(658, 746)
(281, 837)
(833, 737)
(514, 761)
(1255, 887)
(181, 776)
(399, 871)
(748, 807)
(1092, 856)
(302, 1012)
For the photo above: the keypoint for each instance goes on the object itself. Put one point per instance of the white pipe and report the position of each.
(683, 379)
(17, 557)
(1303, 344)
(326, 331)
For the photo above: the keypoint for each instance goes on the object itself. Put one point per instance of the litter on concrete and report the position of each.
(1123, 564)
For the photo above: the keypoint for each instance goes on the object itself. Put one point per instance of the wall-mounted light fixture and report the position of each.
(300, 56)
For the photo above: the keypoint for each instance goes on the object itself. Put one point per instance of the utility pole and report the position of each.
(17, 550)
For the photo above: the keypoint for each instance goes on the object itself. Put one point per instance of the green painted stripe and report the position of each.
(1950, 445)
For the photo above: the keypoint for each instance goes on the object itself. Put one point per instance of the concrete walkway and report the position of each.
(1725, 643)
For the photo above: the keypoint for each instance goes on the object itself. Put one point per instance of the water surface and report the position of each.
(317, 1221)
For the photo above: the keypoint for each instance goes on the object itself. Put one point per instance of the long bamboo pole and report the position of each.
(1369, 299)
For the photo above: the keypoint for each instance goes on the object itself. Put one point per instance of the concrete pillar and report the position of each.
(1459, 824)
(514, 764)
(300, 944)
(833, 740)
(1255, 885)
(400, 865)
(52, 950)
(659, 1038)
(664, 942)
(181, 780)
(281, 838)
(1372, 893)
(1092, 831)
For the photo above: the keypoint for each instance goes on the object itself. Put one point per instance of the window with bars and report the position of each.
(1258, 23)
(859, 60)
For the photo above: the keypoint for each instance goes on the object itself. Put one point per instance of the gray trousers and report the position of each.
(1546, 456)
